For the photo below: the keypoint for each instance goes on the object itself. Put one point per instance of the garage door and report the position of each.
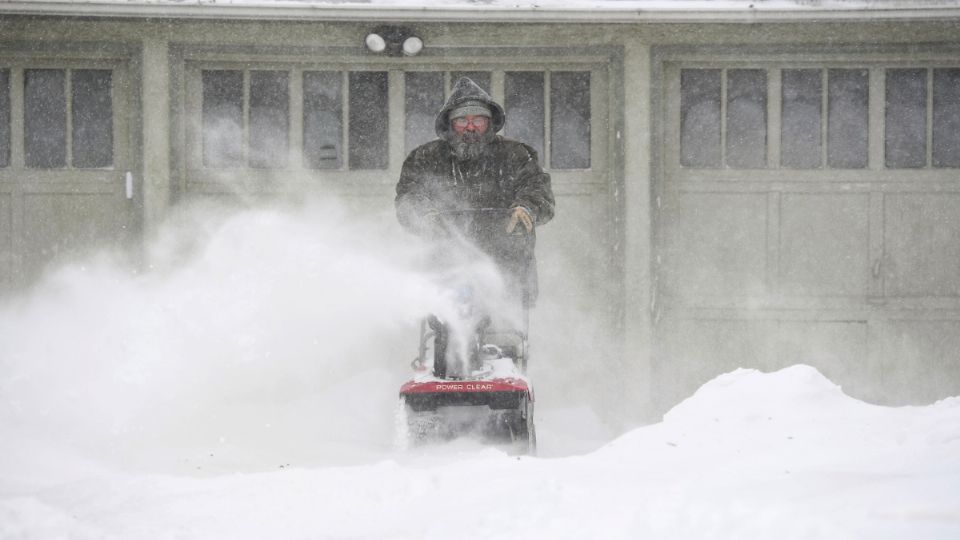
(64, 158)
(809, 211)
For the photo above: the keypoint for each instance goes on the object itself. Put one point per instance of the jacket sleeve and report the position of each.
(533, 189)
(412, 200)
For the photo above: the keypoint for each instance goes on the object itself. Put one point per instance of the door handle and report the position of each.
(129, 184)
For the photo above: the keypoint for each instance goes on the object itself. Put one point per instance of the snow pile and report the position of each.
(788, 455)
(751, 455)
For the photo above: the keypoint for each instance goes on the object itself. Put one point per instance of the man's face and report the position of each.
(469, 136)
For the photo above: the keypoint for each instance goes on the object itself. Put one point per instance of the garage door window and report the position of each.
(45, 120)
(916, 98)
(570, 119)
(800, 118)
(246, 119)
(847, 118)
(322, 119)
(728, 109)
(482, 78)
(525, 106)
(423, 97)
(848, 93)
(223, 126)
(906, 118)
(92, 118)
(222, 118)
(369, 115)
(700, 117)
(746, 118)
(946, 117)
(269, 119)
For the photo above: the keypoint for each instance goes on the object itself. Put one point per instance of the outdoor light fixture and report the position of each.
(375, 43)
(393, 40)
(412, 45)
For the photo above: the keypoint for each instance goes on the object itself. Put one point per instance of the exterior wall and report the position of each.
(618, 290)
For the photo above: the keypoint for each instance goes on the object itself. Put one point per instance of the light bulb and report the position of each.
(375, 43)
(412, 45)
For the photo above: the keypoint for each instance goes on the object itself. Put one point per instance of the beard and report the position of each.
(469, 146)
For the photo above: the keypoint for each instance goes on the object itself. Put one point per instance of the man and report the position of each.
(469, 168)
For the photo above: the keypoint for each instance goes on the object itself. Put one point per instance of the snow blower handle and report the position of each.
(488, 224)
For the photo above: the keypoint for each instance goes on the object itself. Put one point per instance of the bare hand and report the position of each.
(519, 215)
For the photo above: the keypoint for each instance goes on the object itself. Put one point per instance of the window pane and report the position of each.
(906, 118)
(92, 107)
(946, 117)
(746, 118)
(45, 118)
(570, 120)
(482, 78)
(802, 98)
(368, 120)
(222, 118)
(423, 100)
(4, 117)
(848, 93)
(700, 117)
(523, 102)
(269, 119)
(322, 119)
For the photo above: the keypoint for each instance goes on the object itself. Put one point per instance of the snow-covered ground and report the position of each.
(234, 391)
(750, 455)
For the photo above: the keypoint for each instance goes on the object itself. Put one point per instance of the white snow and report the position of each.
(751, 455)
(246, 386)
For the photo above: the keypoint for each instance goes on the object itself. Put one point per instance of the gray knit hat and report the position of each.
(470, 108)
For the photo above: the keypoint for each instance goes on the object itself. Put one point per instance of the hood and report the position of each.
(467, 90)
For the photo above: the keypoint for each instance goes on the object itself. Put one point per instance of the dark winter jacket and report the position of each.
(506, 176)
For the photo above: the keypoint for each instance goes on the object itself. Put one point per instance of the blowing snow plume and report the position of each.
(253, 339)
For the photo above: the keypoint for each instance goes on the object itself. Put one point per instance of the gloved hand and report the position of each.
(519, 215)
(429, 223)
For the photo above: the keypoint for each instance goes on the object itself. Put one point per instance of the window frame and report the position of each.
(121, 150)
(876, 65)
(188, 61)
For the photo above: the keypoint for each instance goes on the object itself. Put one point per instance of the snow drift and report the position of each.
(750, 455)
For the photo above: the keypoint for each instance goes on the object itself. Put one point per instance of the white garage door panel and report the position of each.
(922, 242)
(911, 351)
(58, 227)
(716, 245)
(839, 349)
(570, 252)
(701, 349)
(824, 244)
(6, 241)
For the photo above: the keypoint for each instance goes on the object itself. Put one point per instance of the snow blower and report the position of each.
(469, 374)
